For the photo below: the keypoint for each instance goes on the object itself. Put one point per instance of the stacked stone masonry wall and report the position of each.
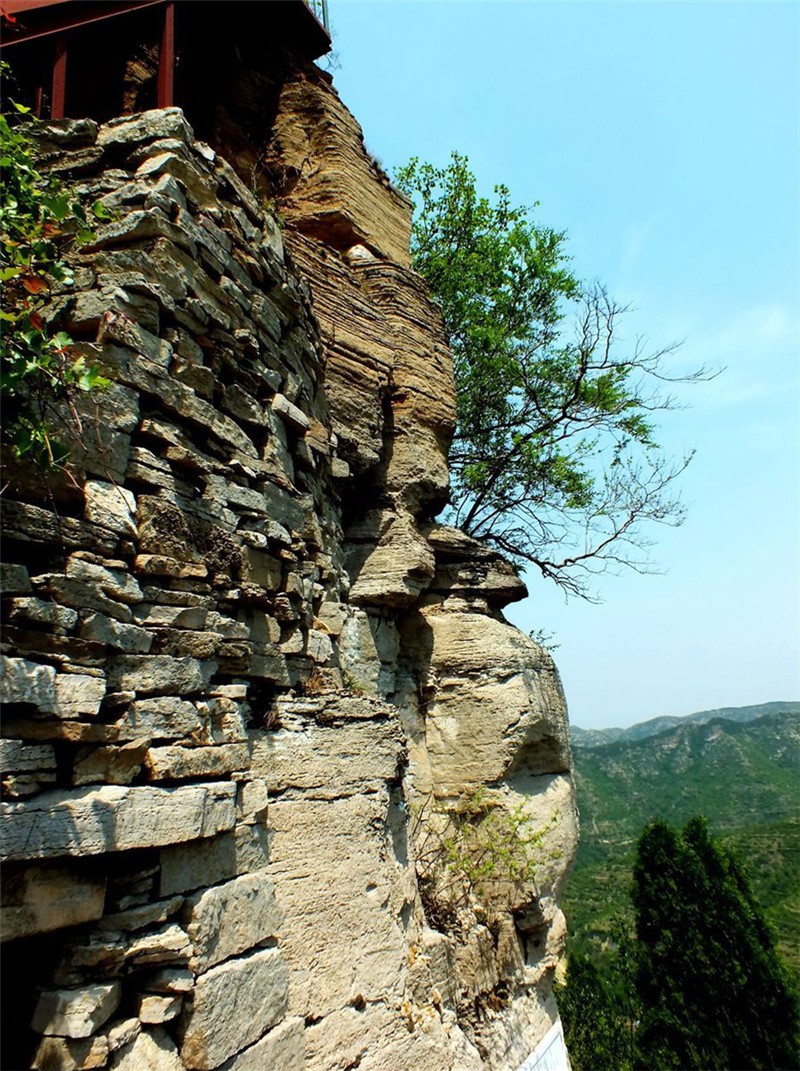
(238, 661)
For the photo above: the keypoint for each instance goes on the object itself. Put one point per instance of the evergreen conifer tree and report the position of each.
(597, 1025)
(714, 994)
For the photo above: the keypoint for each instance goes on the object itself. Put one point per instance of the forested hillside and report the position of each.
(744, 776)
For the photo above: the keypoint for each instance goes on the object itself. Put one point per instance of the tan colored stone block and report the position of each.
(122, 1032)
(22, 681)
(41, 899)
(77, 695)
(155, 1009)
(75, 1013)
(115, 765)
(151, 674)
(199, 864)
(17, 757)
(168, 945)
(70, 1054)
(151, 1050)
(113, 818)
(215, 1028)
(41, 612)
(110, 506)
(282, 1049)
(174, 763)
(160, 718)
(230, 919)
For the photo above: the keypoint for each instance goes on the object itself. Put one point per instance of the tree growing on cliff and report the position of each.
(554, 458)
(597, 1025)
(713, 992)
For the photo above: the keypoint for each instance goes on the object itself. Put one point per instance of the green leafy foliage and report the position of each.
(599, 1010)
(40, 369)
(713, 992)
(554, 458)
(699, 985)
(478, 853)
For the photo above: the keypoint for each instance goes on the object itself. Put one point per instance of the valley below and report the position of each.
(740, 767)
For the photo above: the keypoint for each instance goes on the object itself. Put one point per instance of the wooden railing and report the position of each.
(320, 10)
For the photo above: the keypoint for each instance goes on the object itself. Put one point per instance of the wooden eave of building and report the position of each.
(26, 24)
(26, 20)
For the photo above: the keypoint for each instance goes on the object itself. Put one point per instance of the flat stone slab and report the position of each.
(40, 899)
(76, 1013)
(230, 919)
(113, 819)
(22, 681)
(283, 1048)
(217, 1026)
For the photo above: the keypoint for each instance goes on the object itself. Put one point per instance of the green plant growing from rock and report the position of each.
(478, 853)
(41, 371)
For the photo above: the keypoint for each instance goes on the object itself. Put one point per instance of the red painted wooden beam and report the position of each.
(166, 59)
(66, 16)
(59, 97)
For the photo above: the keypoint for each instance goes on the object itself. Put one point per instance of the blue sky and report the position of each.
(664, 138)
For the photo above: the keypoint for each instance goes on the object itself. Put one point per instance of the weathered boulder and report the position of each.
(494, 704)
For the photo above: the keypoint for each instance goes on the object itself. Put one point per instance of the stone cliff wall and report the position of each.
(262, 712)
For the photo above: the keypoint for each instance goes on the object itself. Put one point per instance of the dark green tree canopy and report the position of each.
(712, 989)
(554, 458)
(698, 986)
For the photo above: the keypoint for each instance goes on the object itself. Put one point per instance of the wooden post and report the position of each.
(58, 99)
(166, 59)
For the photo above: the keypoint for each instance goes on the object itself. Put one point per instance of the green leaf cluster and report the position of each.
(554, 458)
(38, 365)
(476, 853)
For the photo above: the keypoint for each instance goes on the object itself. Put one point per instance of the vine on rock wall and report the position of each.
(39, 221)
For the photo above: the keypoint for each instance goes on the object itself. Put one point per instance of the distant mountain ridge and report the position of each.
(586, 738)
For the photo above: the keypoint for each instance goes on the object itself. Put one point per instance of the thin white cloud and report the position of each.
(758, 348)
(638, 235)
(754, 333)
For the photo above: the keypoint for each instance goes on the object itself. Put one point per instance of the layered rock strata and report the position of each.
(257, 701)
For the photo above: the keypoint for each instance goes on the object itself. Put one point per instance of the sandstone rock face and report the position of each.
(250, 687)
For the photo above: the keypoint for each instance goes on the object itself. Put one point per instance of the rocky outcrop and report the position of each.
(263, 714)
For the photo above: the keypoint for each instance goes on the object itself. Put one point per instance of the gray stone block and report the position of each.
(113, 819)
